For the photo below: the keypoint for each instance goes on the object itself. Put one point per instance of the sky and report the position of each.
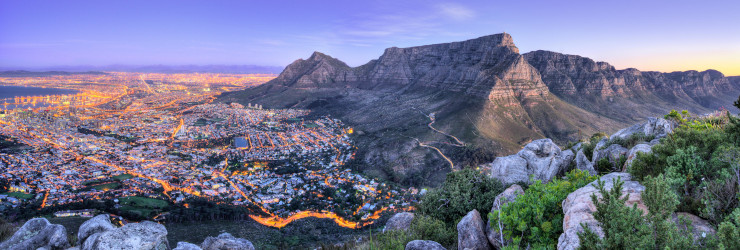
(647, 35)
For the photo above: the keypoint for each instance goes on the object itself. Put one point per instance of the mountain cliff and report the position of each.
(421, 110)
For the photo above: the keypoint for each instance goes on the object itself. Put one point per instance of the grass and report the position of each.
(19, 195)
(121, 177)
(103, 187)
(143, 202)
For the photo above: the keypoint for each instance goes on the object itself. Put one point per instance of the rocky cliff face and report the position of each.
(481, 91)
(573, 77)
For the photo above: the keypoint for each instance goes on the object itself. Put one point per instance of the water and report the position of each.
(13, 91)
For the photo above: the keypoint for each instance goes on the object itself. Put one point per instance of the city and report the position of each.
(162, 137)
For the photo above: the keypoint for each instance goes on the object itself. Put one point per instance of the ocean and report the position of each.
(13, 91)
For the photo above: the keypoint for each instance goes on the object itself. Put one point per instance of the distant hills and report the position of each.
(24, 73)
(230, 69)
(482, 91)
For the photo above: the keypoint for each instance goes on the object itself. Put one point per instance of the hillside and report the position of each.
(481, 91)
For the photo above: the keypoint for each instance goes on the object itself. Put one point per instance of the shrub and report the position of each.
(393, 239)
(728, 234)
(535, 218)
(686, 169)
(460, 193)
(588, 147)
(6, 230)
(644, 165)
(422, 228)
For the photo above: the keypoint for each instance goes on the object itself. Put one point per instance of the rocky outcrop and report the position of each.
(399, 221)
(142, 235)
(38, 233)
(424, 245)
(614, 153)
(542, 159)
(97, 224)
(226, 241)
(579, 208)
(493, 233)
(657, 127)
(186, 246)
(700, 228)
(470, 233)
(639, 148)
(583, 163)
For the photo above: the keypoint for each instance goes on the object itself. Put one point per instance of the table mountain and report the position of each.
(482, 92)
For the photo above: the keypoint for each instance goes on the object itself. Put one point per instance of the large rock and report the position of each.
(700, 228)
(399, 221)
(226, 241)
(583, 163)
(493, 233)
(470, 232)
(578, 208)
(143, 235)
(186, 246)
(613, 152)
(657, 127)
(97, 224)
(38, 233)
(542, 159)
(639, 148)
(424, 245)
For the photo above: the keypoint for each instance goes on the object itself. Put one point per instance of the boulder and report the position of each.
(584, 164)
(492, 233)
(399, 221)
(542, 159)
(143, 235)
(644, 148)
(578, 208)
(38, 233)
(700, 228)
(186, 246)
(657, 127)
(613, 152)
(97, 224)
(424, 245)
(226, 241)
(470, 232)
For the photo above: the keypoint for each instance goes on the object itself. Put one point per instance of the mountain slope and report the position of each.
(481, 91)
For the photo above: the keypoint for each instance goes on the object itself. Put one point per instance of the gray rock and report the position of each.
(424, 245)
(38, 233)
(470, 232)
(542, 159)
(492, 232)
(578, 208)
(644, 148)
(613, 152)
(584, 164)
(226, 241)
(657, 127)
(700, 228)
(186, 246)
(97, 224)
(600, 144)
(399, 221)
(143, 235)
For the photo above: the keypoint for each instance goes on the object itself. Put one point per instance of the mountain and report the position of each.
(480, 91)
(623, 94)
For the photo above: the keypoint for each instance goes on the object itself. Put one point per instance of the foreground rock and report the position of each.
(492, 232)
(657, 127)
(226, 241)
(424, 245)
(470, 232)
(38, 233)
(97, 224)
(186, 246)
(541, 159)
(143, 235)
(399, 221)
(639, 148)
(578, 208)
(583, 163)
(700, 227)
(614, 153)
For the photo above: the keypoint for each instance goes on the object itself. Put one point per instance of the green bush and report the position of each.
(625, 227)
(460, 193)
(644, 165)
(588, 147)
(686, 169)
(393, 239)
(535, 218)
(422, 228)
(728, 233)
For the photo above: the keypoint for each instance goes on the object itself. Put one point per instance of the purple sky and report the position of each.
(648, 35)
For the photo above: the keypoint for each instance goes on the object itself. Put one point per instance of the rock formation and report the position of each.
(470, 233)
(143, 235)
(493, 232)
(639, 148)
(657, 127)
(423, 245)
(38, 233)
(226, 241)
(542, 159)
(97, 224)
(399, 221)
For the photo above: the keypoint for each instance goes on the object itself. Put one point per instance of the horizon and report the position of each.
(658, 36)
